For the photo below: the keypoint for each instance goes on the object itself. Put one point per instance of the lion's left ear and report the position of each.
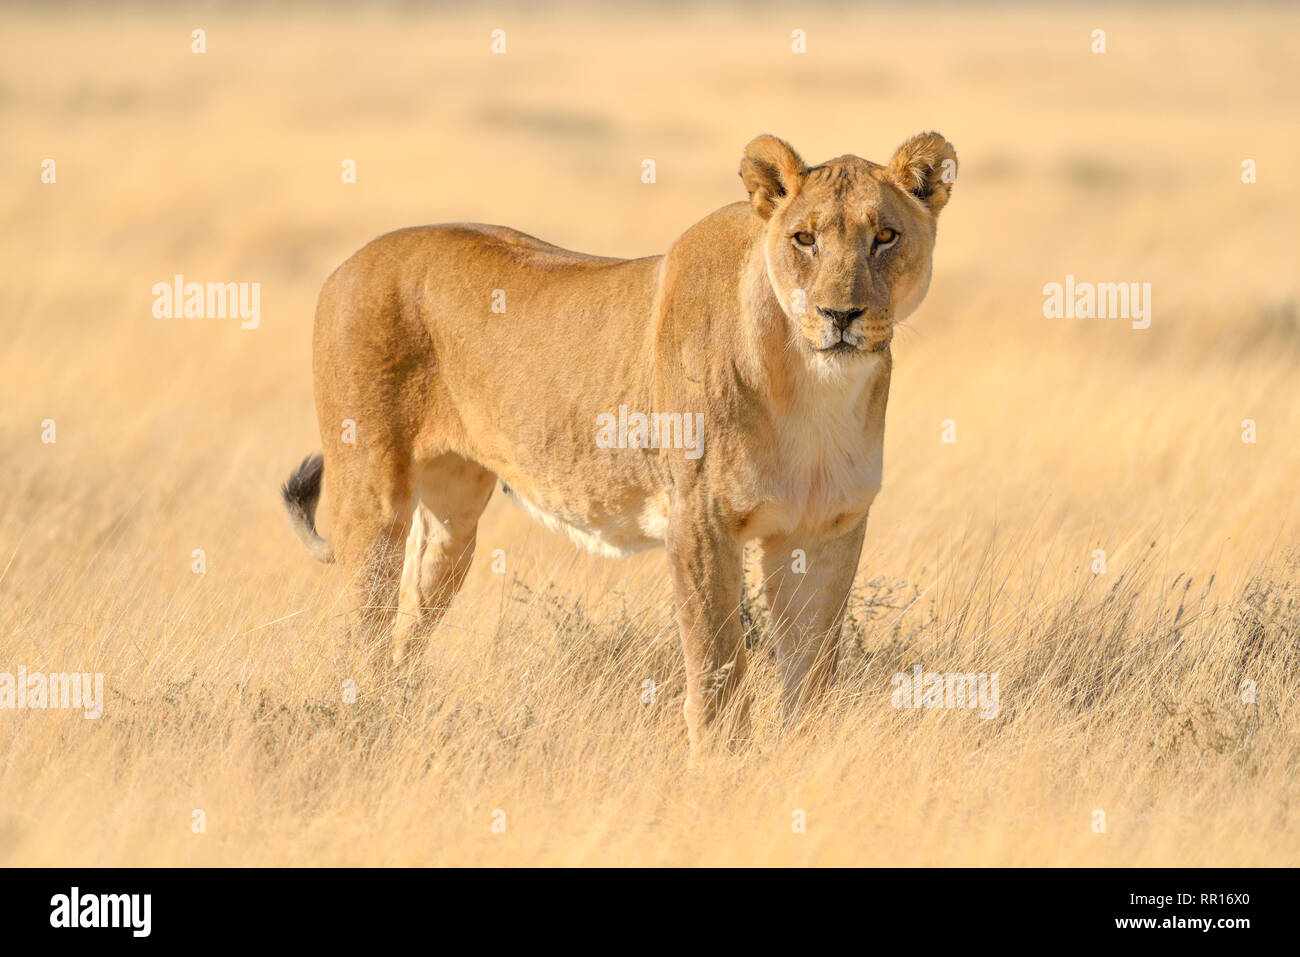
(926, 167)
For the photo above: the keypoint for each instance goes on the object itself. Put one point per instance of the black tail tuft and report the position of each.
(301, 493)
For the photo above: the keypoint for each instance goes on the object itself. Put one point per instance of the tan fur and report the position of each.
(448, 397)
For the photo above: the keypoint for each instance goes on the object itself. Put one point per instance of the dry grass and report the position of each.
(1119, 691)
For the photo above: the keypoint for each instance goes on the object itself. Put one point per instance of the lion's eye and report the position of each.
(805, 239)
(885, 236)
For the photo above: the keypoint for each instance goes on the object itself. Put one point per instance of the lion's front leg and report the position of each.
(807, 585)
(706, 566)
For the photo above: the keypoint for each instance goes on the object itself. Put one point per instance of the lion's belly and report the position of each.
(617, 534)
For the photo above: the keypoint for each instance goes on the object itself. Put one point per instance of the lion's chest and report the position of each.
(823, 477)
(824, 496)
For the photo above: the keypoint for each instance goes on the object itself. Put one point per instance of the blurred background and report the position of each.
(172, 434)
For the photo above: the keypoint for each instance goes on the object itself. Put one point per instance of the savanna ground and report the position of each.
(1121, 691)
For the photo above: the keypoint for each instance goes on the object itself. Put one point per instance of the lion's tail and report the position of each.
(301, 492)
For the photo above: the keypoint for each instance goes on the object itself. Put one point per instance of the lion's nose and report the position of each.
(841, 317)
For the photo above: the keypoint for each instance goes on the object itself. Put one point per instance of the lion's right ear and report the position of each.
(771, 170)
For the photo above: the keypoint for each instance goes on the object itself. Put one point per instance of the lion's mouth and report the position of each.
(838, 348)
(844, 347)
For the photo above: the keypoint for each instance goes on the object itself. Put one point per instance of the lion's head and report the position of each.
(848, 243)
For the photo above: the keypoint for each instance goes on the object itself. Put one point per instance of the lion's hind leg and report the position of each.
(371, 500)
(453, 492)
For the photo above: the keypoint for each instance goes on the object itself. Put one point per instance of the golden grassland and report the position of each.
(1120, 691)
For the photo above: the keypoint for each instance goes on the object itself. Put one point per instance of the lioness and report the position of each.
(464, 355)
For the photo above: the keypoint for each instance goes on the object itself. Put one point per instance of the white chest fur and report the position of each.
(829, 457)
